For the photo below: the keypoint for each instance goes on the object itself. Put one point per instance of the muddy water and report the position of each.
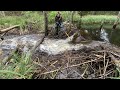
(50, 46)
(106, 35)
(57, 46)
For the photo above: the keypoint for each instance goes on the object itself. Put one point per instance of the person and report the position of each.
(58, 22)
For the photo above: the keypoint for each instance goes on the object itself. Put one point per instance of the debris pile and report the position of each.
(101, 62)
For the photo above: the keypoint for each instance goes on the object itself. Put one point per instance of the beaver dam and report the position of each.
(61, 59)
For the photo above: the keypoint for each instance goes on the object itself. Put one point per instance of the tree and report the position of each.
(117, 21)
(72, 15)
(46, 22)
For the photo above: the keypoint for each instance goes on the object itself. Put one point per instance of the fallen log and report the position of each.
(8, 29)
(37, 44)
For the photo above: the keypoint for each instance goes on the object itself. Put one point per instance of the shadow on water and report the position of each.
(106, 35)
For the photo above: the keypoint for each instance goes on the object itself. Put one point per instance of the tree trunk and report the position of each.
(46, 23)
(115, 24)
(117, 21)
(72, 15)
(80, 21)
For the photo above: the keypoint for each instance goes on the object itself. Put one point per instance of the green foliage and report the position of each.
(19, 67)
(97, 19)
(24, 20)
(119, 74)
(37, 19)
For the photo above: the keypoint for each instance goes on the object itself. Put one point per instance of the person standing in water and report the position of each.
(58, 22)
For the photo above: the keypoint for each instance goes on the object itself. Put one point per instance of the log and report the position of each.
(101, 26)
(36, 45)
(8, 29)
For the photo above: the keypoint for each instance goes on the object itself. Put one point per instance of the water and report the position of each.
(106, 35)
(57, 46)
(50, 46)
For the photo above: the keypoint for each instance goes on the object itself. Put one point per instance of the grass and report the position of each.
(119, 74)
(19, 67)
(38, 19)
(28, 17)
(97, 19)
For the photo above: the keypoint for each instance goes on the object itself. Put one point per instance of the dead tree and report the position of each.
(101, 26)
(80, 21)
(117, 21)
(72, 15)
(115, 24)
(45, 23)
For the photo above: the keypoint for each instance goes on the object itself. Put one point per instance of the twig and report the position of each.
(79, 74)
(100, 69)
(115, 54)
(104, 59)
(54, 63)
(105, 68)
(84, 71)
(70, 66)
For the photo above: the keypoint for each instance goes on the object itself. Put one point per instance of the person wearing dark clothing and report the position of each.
(58, 22)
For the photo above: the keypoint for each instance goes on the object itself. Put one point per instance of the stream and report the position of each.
(56, 46)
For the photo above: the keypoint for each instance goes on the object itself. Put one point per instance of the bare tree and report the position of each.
(117, 21)
(72, 15)
(46, 22)
(80, 21)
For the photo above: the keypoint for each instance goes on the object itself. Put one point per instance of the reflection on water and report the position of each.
(106, 35)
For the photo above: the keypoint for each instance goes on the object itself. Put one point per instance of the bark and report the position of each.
(46, 23)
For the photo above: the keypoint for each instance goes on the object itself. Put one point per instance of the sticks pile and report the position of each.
(85, 64)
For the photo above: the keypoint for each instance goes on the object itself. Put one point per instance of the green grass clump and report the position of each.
(97, 19)
(19, 67)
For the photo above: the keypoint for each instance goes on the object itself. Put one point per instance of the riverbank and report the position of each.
(34, 20)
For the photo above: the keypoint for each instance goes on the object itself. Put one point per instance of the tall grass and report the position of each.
(19, 67)
(24, 20)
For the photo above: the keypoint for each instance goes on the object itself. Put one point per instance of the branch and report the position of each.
(37, 44)
(8, 29)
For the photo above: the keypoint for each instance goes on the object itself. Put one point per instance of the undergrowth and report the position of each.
(38, 19)
(19, 67)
